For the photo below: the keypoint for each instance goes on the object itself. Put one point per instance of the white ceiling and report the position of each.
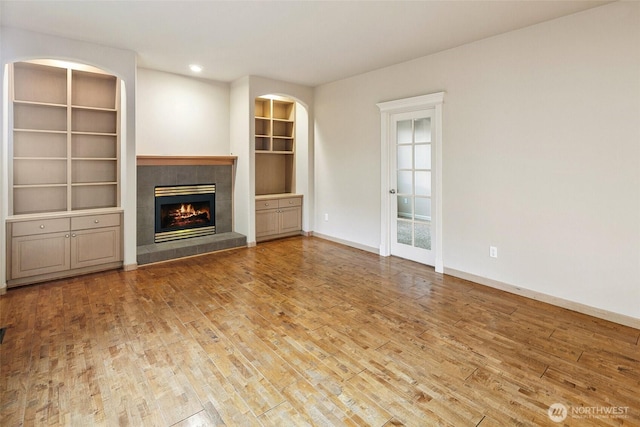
(305, 42)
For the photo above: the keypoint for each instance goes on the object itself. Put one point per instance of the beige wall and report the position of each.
(541, 155)
(181, 116)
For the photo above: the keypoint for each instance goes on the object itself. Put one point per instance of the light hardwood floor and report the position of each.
(304, 331)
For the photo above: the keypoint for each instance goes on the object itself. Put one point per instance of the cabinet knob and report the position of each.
(42, 226)
(66, 235)
(73, 235)
(96, 221)
(290, 202)
(266, 204)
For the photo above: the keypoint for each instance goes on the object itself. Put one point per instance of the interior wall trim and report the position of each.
(549, 299)
(185, 160)
(346, 243)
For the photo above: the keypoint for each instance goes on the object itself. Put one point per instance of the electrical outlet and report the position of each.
(493, 252)
(326, 217)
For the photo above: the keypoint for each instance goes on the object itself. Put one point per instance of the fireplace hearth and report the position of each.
(184, 211)
(175, 172)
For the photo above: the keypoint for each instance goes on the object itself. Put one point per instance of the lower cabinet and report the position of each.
(40, 254)
(95, 240)
(95, 247)
(278, 216)
(49, 248)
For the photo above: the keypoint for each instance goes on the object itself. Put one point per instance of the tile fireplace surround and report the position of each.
(153, 171)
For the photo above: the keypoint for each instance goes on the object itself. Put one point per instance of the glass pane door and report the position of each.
(413, 186)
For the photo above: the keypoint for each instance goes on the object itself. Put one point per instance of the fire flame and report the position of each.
(184, 215)
(187, 210)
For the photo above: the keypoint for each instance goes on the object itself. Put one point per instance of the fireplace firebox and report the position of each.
(184, 211)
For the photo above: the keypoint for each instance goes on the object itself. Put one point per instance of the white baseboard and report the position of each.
(3, 289)
(347, 243)
(130, 267)
(549, 299)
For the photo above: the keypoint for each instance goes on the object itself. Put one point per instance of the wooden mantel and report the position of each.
(185, 160)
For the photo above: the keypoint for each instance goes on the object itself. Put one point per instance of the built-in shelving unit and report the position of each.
(65, 139)
(274, 126)
(278, 210)
(275, 145)
(63, 215)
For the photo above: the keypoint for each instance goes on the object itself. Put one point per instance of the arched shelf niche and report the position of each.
(64, 144)
(281, 165)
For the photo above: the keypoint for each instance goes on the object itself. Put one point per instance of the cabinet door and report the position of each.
(266, 222)
(95, 247)
(290, 219)
(39, 254)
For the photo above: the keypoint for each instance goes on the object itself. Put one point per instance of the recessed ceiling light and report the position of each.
(195, 68)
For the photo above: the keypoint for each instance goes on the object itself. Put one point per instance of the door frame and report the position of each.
(387, 110)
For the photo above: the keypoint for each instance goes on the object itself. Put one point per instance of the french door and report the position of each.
(411, 187)
(411, 147)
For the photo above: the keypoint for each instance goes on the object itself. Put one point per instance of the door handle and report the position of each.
(392, 191)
